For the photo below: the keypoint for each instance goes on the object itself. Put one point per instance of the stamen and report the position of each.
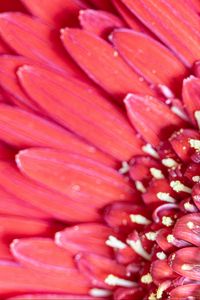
(147, 279)
(138, 248)
(187, 267)
(162, 288)
(167, 221)
(139, 186)
(169, 163)
(152, 297)
(177, 186)
(139, 219)
(170, 238)
(99, 292)
(151, 236)
(189, 207)
(195, 144)
(124, 168)
(115, 243)
(165, 197)
(196, 178)
(114, 280)
(150, 150)
(161, 255)
(156, 173)
(197, 117)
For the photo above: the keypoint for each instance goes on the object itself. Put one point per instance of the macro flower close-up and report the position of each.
(100, 149)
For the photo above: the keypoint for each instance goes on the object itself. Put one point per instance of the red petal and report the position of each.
(186, 262)
(85, 238)
(102, 4)
(19, 30)
(15, 279)
(99, 22)
(145, 114)
(161, 271)
(191, 96)
(58, 12)
(54, 297)
(187, 228)
(82, 111)
(186, 291)
(132, 21)
(8, 79)
(149, 58)
(42, 254)
(55, 204)
(75, 176)
(173, 23)
(197, 68)
(23, 129)
(135, 293)
(108, 69)
(11, 5)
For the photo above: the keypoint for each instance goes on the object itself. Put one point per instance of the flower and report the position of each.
(99, 203)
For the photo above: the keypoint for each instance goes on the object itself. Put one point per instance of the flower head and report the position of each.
(100, 149)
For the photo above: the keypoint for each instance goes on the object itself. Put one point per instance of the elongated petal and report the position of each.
(99, 22)
(85, 238)
(74, 176)
(185, 291)
(145, 114)
(19, 30)
(23, 129)
(42, 254)
(8, 79)
(149, 58)
(191, 97)
(173, 28)
(102, 4)
(15, 278)
(186, 262)
(81, 108)
(54, 297)
(58, 12)
(108, 69)
(57, 205)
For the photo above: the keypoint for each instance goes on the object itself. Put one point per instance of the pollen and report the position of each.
(156, 173)
(197, 117)
(139, 219)
(114, 281)
(138, 248)
(167, 221)
(115, 243)
(169, 163)
(177, 186)
(161, 255)
(165, 197)
(99, 292)
(150, 150)
(196, 178)
(195, 144)
(124, 168)
(190, 225)
(170, 238)
(151, 236)
(147, 279)
(187, 267)
(139, 186)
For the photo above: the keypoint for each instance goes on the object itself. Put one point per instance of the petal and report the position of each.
(99, 22)
(57, 205)
(75, 176)
(58, 12)
(108, 69)
(139, 109)
(176, 25)
(81, 108)
(15, 278)
(186, 262)
(42, 254)
(149, 58)
(23, 129)
(102, 4)
(54, 297)
(191, 97)
(186, 291)
(85, 238)
(19, 30)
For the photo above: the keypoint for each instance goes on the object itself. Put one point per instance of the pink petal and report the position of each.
(85, 238)
(185, 291)
(99, 22)
(139, 109)
(54, 297)
(149, 58)
(75, 176)
(42, 254)
(102, 4)
(173, 28)
(191, 96)
(186, 262)
(15, 278)
(57, 205)
(23, 129)
(108, 69)
(58, 12)
(82, 111)
(20, 30)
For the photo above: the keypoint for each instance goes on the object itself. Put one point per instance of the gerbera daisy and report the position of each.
(100, 149)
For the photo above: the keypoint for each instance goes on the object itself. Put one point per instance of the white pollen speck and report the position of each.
(170, 238)
(177, 186)
(152, 297)
(190, 225)
(167, 221)
(124, 168)
(197, 117)
(165, 197)
(147, 279)
(156, 173)
(196, 178)
(138, 248)
(189, 207)
(151, 235)
(161, 255)
(195, 144)
(169, 163)
(139, 219)
(113, 242)
(150, 150)
(187, 267)
(114, 281)
(99, 292)
(177, 111)
(139, 186)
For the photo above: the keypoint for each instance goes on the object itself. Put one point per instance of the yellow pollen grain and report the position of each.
(196, 178)
(152, 297)
(195, 144)
(170, 238)
(147, 279)
(169, 163)
(140, 186)
(156, 173)
(150, 150)
(161, 255)
(167, 221)
(139, 219)
(177, 186)
(151, 236)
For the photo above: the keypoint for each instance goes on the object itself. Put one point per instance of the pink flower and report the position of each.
(99, 149)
